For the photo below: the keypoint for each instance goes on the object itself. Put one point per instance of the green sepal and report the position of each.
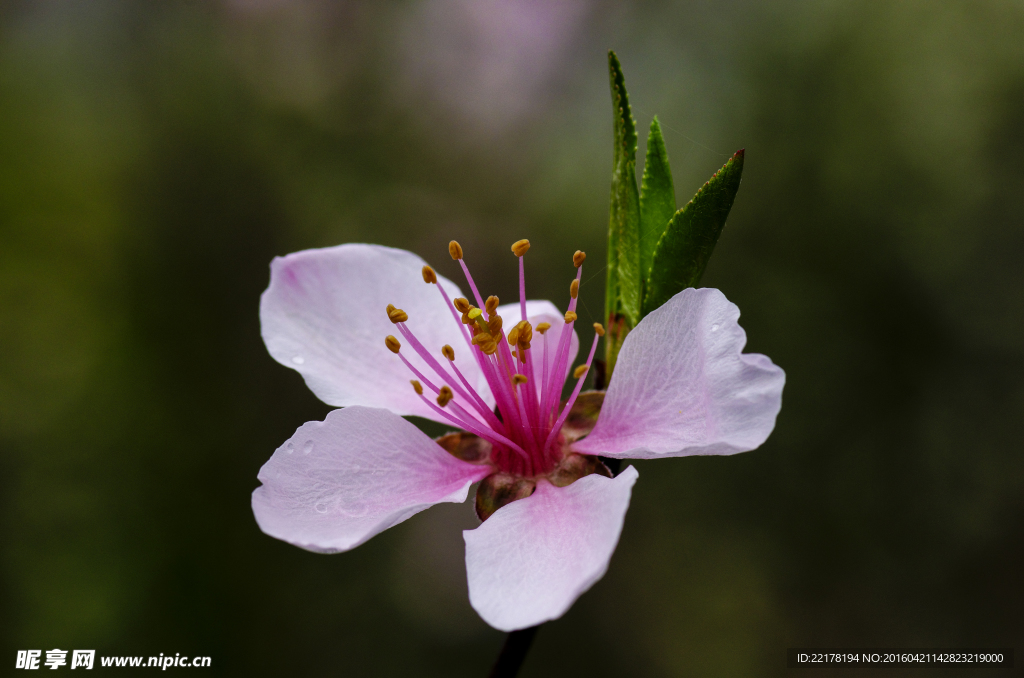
(683, 251)
(625, 280)
(657, 197)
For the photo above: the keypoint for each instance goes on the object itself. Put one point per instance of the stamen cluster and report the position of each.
(524, 426)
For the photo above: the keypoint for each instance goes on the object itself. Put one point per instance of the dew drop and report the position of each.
(308, 447)
(298, 360)
(289, 448)
(321, 508)
(714, 328)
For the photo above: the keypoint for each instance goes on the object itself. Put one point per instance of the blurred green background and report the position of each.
(155, 156)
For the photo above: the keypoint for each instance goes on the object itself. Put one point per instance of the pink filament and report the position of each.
(522, 287)
(527, 420)
(472, 286)
(572, 399)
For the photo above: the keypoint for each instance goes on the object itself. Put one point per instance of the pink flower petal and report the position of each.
(324, 316)
(533, 558)
(538, 312)
(682, 386)
(337, 483)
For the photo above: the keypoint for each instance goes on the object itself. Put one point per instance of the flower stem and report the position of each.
(517, 644)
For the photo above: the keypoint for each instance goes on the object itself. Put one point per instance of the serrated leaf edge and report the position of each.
(647, 282)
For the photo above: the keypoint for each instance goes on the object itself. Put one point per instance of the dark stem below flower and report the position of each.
(517, 644)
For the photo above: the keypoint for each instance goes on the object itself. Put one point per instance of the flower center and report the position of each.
(524, 425)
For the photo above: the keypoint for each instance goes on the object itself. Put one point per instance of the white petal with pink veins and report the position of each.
(533, 558)
(324, 315)
(336, 483)
(683, 386)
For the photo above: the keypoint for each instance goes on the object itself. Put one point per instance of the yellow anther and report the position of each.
(489, 348)
(429, 276)
(520, 247)
(519, 379)
(494, 325)
(599, 328)
(482, 338)
(578, 258)
(417, 386)
(513, 336)
(525, 334)
(491, 304)
(455, 249)
(543, 327)
(393, 344)
(397, 315)
(445, 396)
(461, 305)
(570, 316)
(466, 320)
(449, 352)
(580, 371)
(391, 307)
(474, 313)
(574, 289)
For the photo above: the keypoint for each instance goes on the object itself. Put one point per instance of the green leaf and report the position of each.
(623, 293)
(657, 197)
(684, 249)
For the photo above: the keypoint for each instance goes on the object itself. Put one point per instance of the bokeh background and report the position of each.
(155, 156)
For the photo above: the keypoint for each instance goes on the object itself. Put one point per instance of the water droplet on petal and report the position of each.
(289, 448)
(321, 508)
(714, 328)
(308, 447)
(298, 360)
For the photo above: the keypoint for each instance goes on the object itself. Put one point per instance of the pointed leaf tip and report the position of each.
(623, 293)
(683, 252)
(657, 197)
